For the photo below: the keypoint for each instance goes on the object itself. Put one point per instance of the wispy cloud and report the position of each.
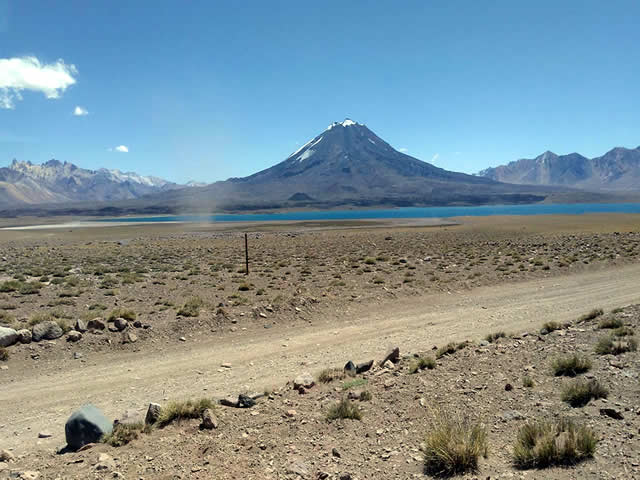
(80, 111)
(28, 73)
(435, 157)
(120, 148)
(403, 150)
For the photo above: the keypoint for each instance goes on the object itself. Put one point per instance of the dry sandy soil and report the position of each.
(321, 303)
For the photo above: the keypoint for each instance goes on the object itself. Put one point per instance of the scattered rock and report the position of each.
(48, 330)
(120, 324)
(24, 335)
(81, 326)
(73, 336)
(85, 426)
(298, 468)
(25, 475)
(508, 387)
(389, 364)
(303, 381)
(335, 452)
(153, 413)
(105, 462)
(44, 435)
(6, 456)
(226, 365)
(392, 355)
(364, 367)
(129, 417)
(291, 413)
(612, 413)
(512, 415)
(350, 369)
(209, 420)
(129, 337)
(245, 401)
(8, 336)
(96, 324)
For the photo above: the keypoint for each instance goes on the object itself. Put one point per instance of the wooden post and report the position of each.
(246, 254)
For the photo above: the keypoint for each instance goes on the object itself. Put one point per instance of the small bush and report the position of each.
(550, 327)
(617, 310)
(593, 314)
(611, 322)
(453, 445)
(492, 337)
(527, 381)
(328, 375)
(614, 346)
(122, 434)
(10, 286)
(579, 393)
(122, 313)
(245, 287)
(40, 317)
(450, 348)
(365, 396)
(179, 410)
(545, 444)
(421, 363)
(30, 288)
(191, 308)
(570, 366)
(4, 354)
(357, 382)
(344, 409)
(623, 332)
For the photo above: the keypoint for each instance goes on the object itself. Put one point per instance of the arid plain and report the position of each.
(317, 295)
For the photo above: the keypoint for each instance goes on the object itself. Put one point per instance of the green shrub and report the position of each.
(10, 286)
(122, 434)
(580, 392)
(122, 313)
(615, 346)
(191, 308)
(453, 445)
(546, 444)
(611, 322)
(421, 363)
(344, 409)
(30, 288)
(527, 381)
(179, 410)
(570, 366)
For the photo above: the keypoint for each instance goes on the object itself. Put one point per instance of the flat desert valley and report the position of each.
(166, 313)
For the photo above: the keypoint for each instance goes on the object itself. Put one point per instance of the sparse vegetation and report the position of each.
(421, 363)
(593, 314)
(122, 434)
(328, 375)
(546, 444)
(527, 382)
(492, 337)
(122, 313)
(453, 445)
(450, 349)
(549, 327)
(191, 308)
(365, 396)
(180, 410)
(623, 332)
(570, 366)
(612, 345)
(611, 322)
(4, 354)
(356, 382)
(344, 409)
(581, 392)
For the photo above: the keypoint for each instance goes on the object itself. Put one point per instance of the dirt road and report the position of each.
(41, 399)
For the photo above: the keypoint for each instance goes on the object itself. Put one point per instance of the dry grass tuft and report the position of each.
(122, 434)
(344, 409)
(579, 393)
(122, 313)
(593, 314)
(611, 322)
(570, 366)
(421, 363)
(453, 445)
(4, 354)
(191, 308)
(614, 346)
(328, 375)
(545, 444)
(180, 410)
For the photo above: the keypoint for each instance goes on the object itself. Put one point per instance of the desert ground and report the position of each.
(317, 295)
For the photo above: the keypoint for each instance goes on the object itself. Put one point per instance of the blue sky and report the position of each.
(207, 90)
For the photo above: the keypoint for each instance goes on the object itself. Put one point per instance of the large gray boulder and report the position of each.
(86, 425)
(49, 330)
(8, 336)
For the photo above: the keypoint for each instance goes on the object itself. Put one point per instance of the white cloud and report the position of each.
(28, 73)
(80, 111)
(403, 150)
(435, 157)
(122, 149)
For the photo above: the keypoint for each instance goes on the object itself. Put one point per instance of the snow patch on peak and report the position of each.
(346, 123)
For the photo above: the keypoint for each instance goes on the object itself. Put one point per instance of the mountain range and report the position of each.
(346, 165)
(59, 182)
(617, 170)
